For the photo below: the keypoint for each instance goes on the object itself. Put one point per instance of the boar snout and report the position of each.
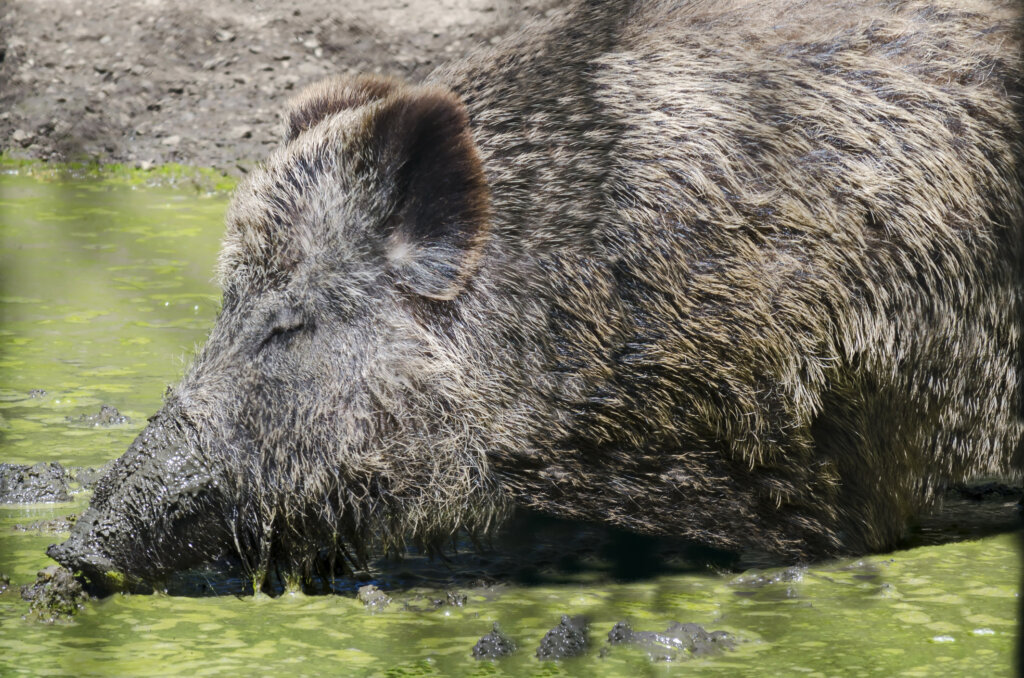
(99, 571)
(156, 511)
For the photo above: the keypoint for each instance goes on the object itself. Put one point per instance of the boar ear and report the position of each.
(327, 97)
(440, 220)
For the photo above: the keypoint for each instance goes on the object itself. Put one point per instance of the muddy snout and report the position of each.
(157, 510)
(99, 572)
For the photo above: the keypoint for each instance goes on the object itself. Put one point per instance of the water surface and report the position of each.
(105, 290)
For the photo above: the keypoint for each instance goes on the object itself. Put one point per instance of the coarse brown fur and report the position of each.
(748, 273)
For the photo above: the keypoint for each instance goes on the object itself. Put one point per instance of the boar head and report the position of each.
(330, 410)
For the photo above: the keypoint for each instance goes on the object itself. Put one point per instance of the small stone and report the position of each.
(172, 140)
(241, 132)
(22, 137)
(224, 35)
(287, 81)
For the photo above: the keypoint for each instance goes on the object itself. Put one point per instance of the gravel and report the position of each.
(145, 82)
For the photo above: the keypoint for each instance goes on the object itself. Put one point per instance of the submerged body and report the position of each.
(747, 273)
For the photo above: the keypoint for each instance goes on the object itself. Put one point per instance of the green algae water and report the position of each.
(105, 290)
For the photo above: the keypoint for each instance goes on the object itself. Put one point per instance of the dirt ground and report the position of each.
(147, 82)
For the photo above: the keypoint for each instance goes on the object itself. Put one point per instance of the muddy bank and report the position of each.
(145, 83)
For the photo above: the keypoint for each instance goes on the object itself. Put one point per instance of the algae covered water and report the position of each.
(105, 290)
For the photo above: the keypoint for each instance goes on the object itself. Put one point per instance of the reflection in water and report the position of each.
(104, 292)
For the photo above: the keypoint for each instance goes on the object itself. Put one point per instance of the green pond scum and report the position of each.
(105, 291)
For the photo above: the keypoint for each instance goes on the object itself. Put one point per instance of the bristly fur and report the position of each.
(744, 272)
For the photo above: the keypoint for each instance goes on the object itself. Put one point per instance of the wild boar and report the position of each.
(747, 273)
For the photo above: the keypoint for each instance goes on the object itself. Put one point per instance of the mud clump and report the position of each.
(87, 477)
(39, 483)
(494, 645)
(568, 639)
(434, 600)
(107, 416)
(451, 599)
(56, 595)
(678, 641)
(373, 598)
(770, 583)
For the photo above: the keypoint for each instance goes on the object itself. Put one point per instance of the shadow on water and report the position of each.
(537, 550)
(530, 550)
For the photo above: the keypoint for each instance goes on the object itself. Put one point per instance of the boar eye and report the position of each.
(283, 331)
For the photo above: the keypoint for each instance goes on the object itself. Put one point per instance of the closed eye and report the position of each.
(282, 334)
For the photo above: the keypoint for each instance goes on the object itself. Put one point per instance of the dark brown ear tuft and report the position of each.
(324, 98)
(441, 216)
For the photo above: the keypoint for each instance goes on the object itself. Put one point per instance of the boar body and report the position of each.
(746, 273)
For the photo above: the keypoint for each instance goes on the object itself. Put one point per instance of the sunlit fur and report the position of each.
(748, 273)
(752, 276)
(757, 265)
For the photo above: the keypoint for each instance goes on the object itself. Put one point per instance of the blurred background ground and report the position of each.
(200, 82)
